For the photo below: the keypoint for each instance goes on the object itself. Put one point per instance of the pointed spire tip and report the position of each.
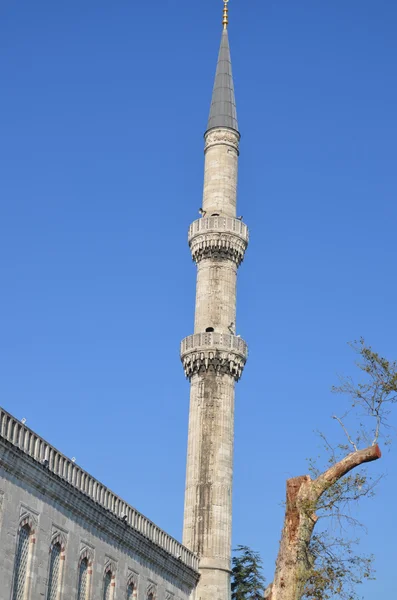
(223, 111)
(225, 21)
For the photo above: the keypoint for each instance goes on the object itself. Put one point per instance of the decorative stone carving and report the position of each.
(87, 553)
(220, 352)
(132, 580)
(218, 237)
(151, 590)
(110, 566)
(29, 519)
(227, 137)
(58, 537)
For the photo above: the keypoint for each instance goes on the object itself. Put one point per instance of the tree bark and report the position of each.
(294, 562)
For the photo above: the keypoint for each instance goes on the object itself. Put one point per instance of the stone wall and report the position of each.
(31, 492)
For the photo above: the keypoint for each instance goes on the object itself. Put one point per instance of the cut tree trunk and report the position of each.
(294, 562)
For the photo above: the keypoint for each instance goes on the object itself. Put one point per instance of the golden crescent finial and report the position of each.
(225, 14)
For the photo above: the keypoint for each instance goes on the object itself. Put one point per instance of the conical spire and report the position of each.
(223, 111)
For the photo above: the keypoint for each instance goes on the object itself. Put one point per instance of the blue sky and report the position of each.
(102, 111)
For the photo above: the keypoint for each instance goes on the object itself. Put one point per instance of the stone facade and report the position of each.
(59, 504)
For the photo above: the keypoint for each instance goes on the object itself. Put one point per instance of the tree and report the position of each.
(247, 578)
(312, 563)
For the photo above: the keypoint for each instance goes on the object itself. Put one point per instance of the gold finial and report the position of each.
(225, 14)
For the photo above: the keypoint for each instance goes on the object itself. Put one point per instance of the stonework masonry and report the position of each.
(220, 171)
(59, 501)
(214, 356)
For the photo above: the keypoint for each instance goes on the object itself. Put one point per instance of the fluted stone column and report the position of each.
(214, 356)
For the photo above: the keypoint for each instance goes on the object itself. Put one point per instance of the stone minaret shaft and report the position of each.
(214, 356)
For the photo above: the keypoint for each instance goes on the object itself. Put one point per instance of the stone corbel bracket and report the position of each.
(220, 352)
(218, 237)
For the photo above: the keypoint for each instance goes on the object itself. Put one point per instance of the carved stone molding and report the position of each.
(227, 137)
(218, 246)
(151, 590)
(132, 580)
(87, 553)
(110, 567)
(218, 237)
(27, 518)
(219, 352)
(58, 537)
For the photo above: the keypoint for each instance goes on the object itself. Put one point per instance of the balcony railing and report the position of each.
(219, 225)
(214, 340)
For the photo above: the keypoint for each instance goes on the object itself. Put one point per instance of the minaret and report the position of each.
(214, 356)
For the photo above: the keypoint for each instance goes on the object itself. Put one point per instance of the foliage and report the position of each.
(248, 581)
(338, 570)
(371, 400)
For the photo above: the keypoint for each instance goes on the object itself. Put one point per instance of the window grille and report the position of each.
(21, 564)
(107, 586)
(55, 571)
(83, 580)
(130, 592)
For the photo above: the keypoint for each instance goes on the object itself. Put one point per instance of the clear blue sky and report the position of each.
(102, 110)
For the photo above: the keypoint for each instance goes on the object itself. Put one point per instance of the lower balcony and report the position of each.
(213, 351)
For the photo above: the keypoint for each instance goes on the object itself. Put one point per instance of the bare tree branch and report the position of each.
(344, 466)
(346, 432)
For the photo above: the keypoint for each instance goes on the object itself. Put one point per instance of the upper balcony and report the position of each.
(218, 237)
(219, 224)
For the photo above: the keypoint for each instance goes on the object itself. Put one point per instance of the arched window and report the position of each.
(132, 586)
(21, 564)
(107, 586)
(55, 572)
(151, 591)
(56, 566)
(209, 330)
(82, 589)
